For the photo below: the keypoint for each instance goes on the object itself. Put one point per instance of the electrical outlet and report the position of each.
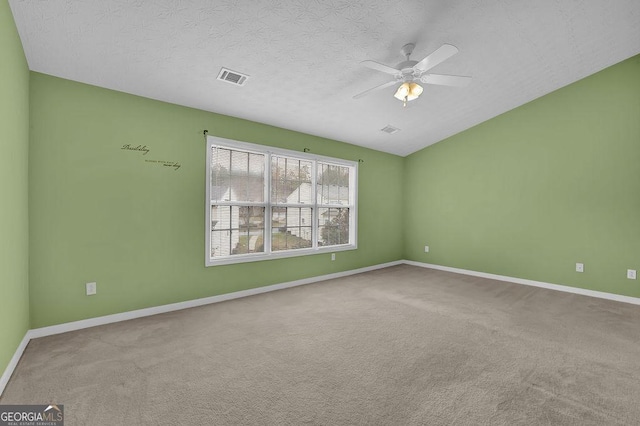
(631, 274)
(333, 256)
(92, 288)
(579, 267)
(426, 249)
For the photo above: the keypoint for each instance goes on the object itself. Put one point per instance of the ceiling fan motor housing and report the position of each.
(406, 67)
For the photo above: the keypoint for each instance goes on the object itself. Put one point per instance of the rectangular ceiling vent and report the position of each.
(390, 129)
(232, 77)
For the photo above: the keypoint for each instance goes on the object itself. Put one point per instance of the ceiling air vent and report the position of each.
(232, 77)
(390, 129)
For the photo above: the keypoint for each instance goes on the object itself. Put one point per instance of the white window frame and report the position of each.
(268, 151)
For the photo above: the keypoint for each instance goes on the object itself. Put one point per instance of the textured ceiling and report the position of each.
(303, 56)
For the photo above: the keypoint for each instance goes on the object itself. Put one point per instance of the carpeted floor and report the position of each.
(397, 346)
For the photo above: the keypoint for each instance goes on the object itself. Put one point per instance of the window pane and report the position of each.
(239, 175)
(220, 174)
(290, 228)
(236, 230)
(333, 184)
(221, 218)
(223, 238)
(220, 243)
(290, 180)
(333, 226)
(236, 175)
(256, 176)
(251, 230)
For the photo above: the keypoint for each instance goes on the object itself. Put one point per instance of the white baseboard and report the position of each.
(14, 362)
(557, 287)
(124, 316)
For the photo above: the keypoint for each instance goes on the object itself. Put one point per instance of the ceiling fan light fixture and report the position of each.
(415, 90)
(408, 92)
(402, 92)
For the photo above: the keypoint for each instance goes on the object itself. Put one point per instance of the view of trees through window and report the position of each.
(296, 211)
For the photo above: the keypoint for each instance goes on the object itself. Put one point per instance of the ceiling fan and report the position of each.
(409, 72)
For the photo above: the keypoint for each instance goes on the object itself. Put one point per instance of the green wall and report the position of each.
(14, 148)
(533, 191)
(100, 213)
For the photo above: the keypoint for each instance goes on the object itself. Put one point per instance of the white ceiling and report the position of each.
(303, 56)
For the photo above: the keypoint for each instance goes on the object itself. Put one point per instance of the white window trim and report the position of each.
(268, 255)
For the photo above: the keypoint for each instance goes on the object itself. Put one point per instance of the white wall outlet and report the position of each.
(426, 249)
(92, 288)
(579, 267)
(631, 274)
(333, 256)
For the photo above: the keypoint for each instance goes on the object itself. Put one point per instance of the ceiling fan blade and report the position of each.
(373, 89)
(446, 80)
(443, 53)
(381, 67)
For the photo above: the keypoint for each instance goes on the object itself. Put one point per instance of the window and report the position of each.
(265, 203)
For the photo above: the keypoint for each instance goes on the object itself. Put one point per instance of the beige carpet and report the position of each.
(398, 346)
